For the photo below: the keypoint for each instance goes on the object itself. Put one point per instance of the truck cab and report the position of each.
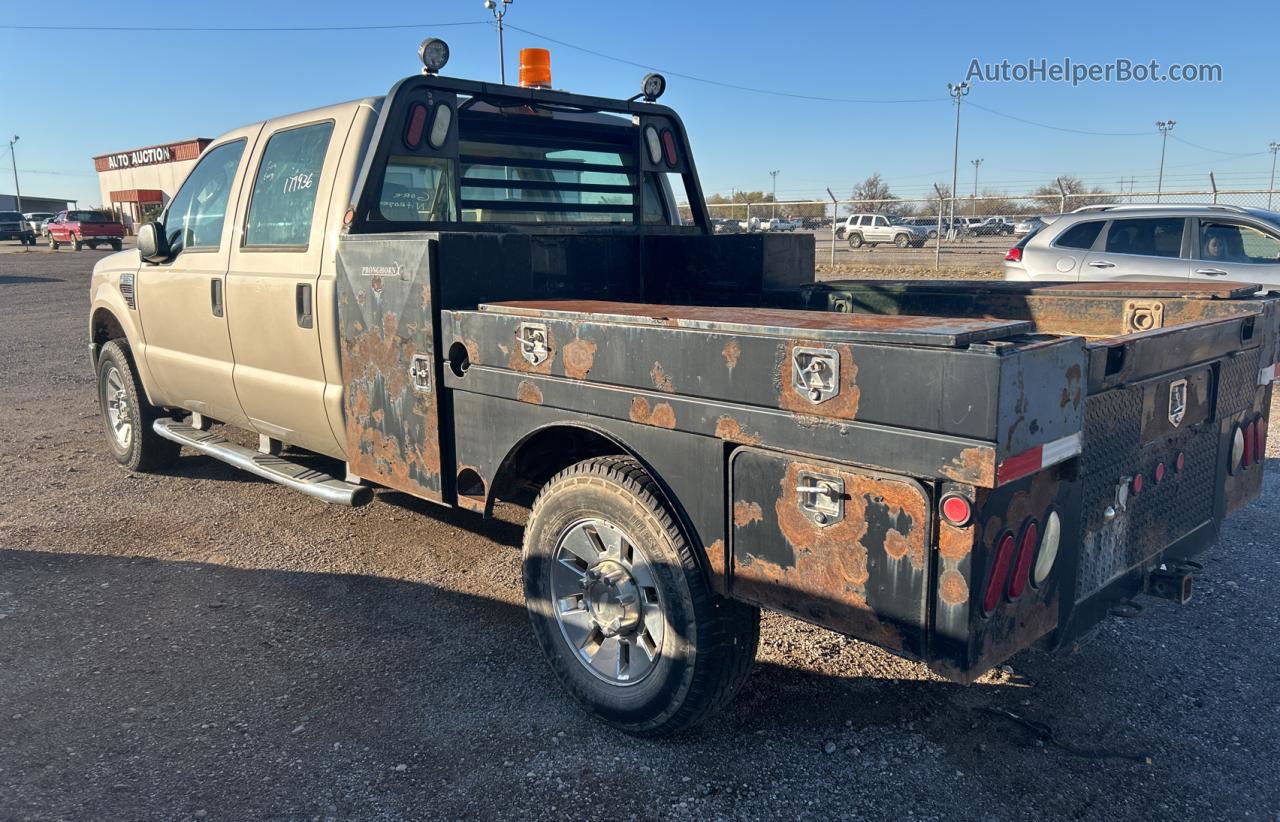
(473, 293)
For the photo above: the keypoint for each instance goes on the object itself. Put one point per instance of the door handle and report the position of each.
(215, 296)
(302, 305)
(1102, 264)
(1212, 272)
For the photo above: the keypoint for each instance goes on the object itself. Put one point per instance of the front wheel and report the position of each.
(75, 242)
(902, 241)
(621, 608)
(126, 414)
(855, 241)
(53, 244)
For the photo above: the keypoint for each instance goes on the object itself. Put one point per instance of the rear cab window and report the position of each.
(446, 161)
(282, 205)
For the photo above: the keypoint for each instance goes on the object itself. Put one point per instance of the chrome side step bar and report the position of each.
(268, 466)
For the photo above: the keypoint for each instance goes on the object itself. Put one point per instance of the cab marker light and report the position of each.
(1038, 458)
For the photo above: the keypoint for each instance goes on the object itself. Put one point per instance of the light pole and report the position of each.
(499, 11)
(1165, 127)
(774, 175)
(957, 91)
(1271, 189)
(976, 163)
(17, 189)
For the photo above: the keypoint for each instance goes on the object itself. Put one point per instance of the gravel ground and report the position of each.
(203, 645)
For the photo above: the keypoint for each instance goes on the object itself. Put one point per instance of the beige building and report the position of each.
(137, 183)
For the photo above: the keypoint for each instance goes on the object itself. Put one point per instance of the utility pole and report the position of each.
(957, 92)
(774, 175)
(1165, 127)
(17, 189)
(1271, 189)
(499, 11)
(976, 163)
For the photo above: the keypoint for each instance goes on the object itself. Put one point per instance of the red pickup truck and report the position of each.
(81, 228)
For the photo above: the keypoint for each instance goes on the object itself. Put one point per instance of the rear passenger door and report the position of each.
(272, 282)
(1140, 248)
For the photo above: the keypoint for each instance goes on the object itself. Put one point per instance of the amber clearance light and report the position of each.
(535, 68)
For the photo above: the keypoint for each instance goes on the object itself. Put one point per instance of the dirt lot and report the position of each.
(202, 645)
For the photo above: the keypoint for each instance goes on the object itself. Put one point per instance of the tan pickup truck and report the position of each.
(471, 292)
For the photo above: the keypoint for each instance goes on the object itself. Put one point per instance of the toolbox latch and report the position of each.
(821, 497)
(533, 343)
(420, 371)
(815, 373)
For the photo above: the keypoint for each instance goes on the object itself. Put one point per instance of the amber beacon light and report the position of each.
(535, 68)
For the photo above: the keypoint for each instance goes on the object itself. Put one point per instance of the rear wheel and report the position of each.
(116, 245)
(855, 241)
(126, 414)
(93, 246)
(621, 608)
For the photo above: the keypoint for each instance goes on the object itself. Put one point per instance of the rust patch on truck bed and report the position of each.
(529, 392)
(974, 466)
(661, 379)
(661, 415)
(731, 353)
(843, 406)
(745, 513)
(727, 428)
(579, 356)
(952, 588)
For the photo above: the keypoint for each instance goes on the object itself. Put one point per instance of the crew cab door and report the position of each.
(272, 283)
(182, 302)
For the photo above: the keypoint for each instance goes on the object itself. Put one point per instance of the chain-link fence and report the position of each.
(965, 223)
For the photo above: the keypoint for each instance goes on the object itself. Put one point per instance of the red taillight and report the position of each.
(1250, 440)
(669, 148)
(999, 573)
(1026, 552)
(956, 510)
(1160, 472)
(1013, 255)
(1136, 484)
(417, 121)
(1260, 439)
(1180, 462)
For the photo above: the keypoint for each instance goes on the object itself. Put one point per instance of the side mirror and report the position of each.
(153, 242)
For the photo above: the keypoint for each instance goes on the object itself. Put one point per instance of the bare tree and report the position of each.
(872, 194)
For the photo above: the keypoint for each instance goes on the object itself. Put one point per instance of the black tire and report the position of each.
(75, 242)
(902, 241)
(855, 240)
(708, 644)
(839, 233)
(53, 244)
(116, 245)
(92, 245)
(145, 450)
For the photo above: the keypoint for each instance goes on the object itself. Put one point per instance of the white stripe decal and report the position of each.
(1060, 449)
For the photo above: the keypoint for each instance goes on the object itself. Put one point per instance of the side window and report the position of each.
(284, 191)
(196, 213)
(1153, 237)
(1080, 235)
(882, 221)
(1233, 243)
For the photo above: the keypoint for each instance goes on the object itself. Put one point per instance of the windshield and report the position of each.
(9, 216)
(86, 217)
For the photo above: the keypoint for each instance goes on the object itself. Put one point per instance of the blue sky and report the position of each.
(74, 94)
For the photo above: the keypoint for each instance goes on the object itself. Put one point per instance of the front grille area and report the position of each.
(1162, 513)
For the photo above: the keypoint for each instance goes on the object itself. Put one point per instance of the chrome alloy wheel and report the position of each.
(115, 400)
(606, 602)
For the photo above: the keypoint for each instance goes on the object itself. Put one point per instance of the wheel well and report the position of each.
(105, 327)
(543, 454)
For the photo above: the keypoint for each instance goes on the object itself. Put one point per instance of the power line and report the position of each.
(1217, 151)
(720, 83)
(215, 29)
(1061, 128)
